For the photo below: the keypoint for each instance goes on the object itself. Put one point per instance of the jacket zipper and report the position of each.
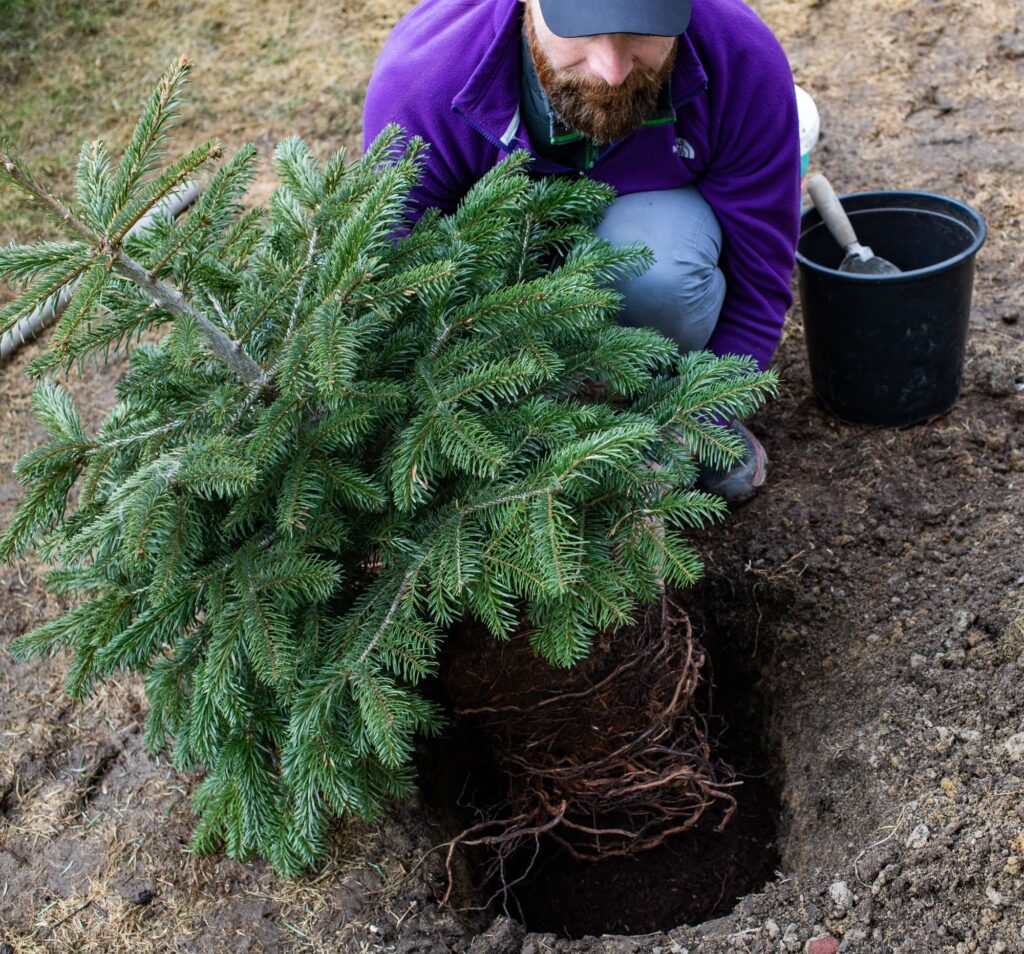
(690, 97)
(480, 129)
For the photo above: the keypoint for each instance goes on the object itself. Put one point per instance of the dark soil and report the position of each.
(692, 878)
(874, 589)
(695, 876)
(689, 878)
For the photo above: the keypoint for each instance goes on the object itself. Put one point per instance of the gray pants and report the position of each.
(681, 294)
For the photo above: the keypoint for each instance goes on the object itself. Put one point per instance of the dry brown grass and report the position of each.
(99, 917)
(264, 70)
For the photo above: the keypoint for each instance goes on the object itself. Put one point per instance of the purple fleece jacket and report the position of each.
(450, 72)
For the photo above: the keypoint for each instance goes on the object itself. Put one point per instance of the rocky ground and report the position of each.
(871, 595)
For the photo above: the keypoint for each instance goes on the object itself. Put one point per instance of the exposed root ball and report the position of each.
(609, 758)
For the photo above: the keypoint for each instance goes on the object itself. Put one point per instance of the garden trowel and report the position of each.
(858, 258)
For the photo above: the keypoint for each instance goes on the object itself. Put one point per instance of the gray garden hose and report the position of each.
(29, 327)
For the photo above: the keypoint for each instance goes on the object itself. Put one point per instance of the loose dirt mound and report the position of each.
(874, 586)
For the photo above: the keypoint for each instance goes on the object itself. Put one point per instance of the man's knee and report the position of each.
(682, 293)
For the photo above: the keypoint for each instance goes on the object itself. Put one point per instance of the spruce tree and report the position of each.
(353, 434)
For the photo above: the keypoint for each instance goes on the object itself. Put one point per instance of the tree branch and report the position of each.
(166, 296)
(170, 299)
(23, 179)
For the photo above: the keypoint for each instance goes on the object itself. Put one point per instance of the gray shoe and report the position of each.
(744, 478)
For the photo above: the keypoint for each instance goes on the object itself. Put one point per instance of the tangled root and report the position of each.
(608, 759)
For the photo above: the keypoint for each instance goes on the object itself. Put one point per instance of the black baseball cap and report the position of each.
(568, 18)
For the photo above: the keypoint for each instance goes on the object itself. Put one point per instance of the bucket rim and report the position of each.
(980, 234)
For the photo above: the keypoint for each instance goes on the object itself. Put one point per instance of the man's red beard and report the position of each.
(588, 104)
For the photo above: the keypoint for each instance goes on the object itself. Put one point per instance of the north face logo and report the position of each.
(684, 149)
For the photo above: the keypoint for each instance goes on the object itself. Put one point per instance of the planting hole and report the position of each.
(691, 877)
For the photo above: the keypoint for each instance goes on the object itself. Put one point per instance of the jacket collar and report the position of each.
(489, 101)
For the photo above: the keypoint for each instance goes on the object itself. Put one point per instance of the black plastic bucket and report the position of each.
(888, 350)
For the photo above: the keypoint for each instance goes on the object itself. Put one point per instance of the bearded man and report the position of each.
(689, 114)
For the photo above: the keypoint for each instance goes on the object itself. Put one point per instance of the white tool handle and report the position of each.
(831, 211)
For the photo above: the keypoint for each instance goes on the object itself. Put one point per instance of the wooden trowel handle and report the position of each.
(827, 203)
